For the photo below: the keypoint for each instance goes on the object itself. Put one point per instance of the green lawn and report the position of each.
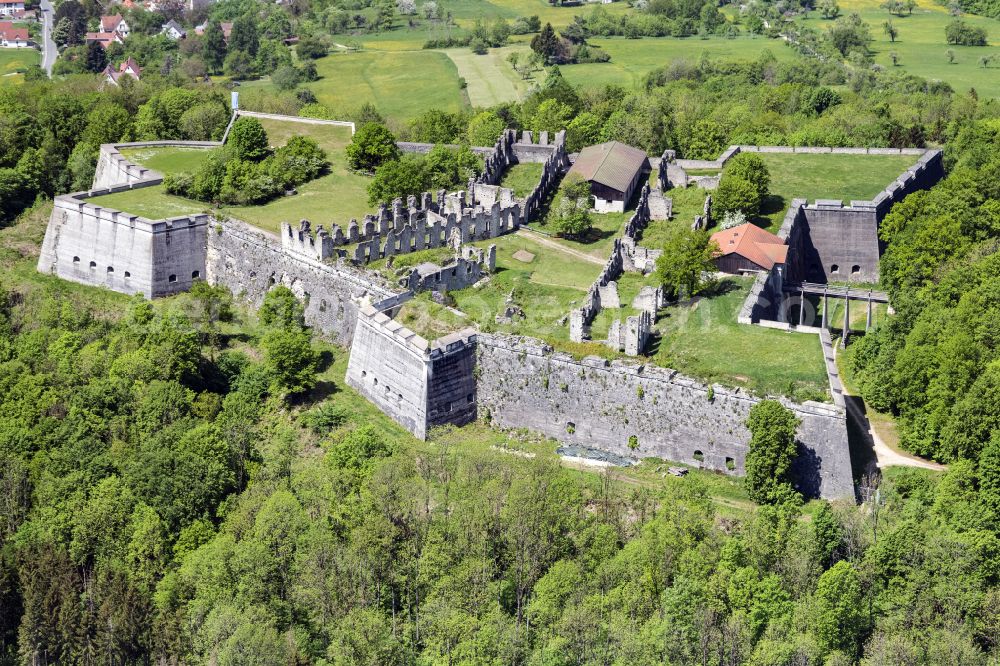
(331, 199)
(522, 178)
(546, 288)
(12, 60)
(430, 319)
(401, 84)
(844, 177)
(167, 160)
(632, 59)
(704, 340)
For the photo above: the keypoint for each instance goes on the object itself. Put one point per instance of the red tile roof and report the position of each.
(751, 242)
(11, 34)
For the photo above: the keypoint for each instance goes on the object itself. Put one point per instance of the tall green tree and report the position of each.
(213, 47)
(771, 452)
(686, 258)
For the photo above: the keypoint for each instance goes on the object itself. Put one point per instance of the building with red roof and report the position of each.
(13, 38)
(128, 67)
(748, 248)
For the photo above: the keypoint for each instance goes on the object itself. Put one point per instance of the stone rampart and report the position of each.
(635, 411)
(416, 383)
(114, 169)
(250, 261)
(463, 271)
(104, 247)
(553, 167)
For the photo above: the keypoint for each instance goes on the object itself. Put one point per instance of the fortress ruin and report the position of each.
(510, 381)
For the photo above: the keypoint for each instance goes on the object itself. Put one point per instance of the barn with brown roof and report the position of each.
(748, 248)
(614, 171)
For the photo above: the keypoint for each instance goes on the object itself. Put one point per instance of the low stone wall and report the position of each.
(250, 261)
(635, 411)
(424, 148)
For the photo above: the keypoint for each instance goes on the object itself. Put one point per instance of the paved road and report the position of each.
(49, 51)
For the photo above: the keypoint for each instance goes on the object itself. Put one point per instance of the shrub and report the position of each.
(960, 33)
(248, 139)
(373, 144)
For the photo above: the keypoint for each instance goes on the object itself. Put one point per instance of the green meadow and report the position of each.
(13, 61)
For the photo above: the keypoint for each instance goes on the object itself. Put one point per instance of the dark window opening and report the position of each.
(111, 269)
(76, 260)
(699, 456)
(93, 264)
(834, 268)
(127, 274)
(172, 278)
(730, 464)
(195, 275)
(468, 398)
(855, 269)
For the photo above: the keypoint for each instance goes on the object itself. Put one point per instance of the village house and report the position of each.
(614, 171)
(13, 38)
(115, 23)
(129, 67)
(173, 30)
(11, 7)
(748, 248)
(227, 29)
(105, 39)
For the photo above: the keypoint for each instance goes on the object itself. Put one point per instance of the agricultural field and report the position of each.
(632, 59)
(401, 84)
(921, 47)
(12, 60)
(490, 78)
(314, 201)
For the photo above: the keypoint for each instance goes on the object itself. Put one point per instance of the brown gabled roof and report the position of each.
(751, 242)
(611, 164)
(110, 23)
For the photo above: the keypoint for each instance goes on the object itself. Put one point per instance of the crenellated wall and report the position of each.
(114, 169)
(250, 261)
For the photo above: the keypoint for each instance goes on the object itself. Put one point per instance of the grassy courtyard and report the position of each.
(522, 178)
(331, 199)
(703, 339)
(545, 281)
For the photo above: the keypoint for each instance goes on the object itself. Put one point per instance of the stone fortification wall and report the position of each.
(424, 148)
(466, 269)
(104, 247)
(499, 159)
(554, 165)
(416, 383)
(618, 405)
(113, 169)
(250, 261)
(581, 318)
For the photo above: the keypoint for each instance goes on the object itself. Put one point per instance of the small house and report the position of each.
(173, 30)
(129, 67)
(747, 248)
(115, 23)
(614, 171)
(13, 38)
(11, 7)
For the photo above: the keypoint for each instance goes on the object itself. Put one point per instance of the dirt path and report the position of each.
(541, 239)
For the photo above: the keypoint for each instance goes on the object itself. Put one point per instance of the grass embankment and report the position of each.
(330, 199)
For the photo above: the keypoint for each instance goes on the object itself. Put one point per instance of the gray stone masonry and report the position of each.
(524, 384)
(104, 247)
(250, 261)
(462, 271)
(418, 384)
